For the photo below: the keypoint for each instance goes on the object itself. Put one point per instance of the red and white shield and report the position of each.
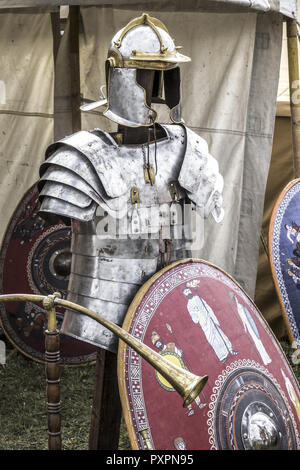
(197, 316)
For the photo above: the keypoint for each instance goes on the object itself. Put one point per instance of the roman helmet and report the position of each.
(141, 69)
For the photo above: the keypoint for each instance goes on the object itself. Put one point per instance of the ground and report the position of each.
(23, 411)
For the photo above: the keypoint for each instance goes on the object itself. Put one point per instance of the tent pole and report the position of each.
(294, 84)
(75, 68)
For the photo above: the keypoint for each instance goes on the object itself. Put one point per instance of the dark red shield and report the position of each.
(198, 317)
(35, 259)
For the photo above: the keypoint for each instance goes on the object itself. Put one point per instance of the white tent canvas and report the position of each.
(229, 97)
(286, 7)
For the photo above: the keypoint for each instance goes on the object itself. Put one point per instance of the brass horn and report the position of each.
(187, 384)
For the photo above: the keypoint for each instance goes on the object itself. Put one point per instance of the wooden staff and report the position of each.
(52, 368)
(75, 67)
(294, 84)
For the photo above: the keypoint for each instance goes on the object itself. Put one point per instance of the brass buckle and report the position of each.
(149, 174)
(135, 195)
(173, 189)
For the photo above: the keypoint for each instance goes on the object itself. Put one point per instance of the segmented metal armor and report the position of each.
(130, 205)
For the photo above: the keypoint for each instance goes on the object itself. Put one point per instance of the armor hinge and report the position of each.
(173, 190)
(135, 195)
(149, 174)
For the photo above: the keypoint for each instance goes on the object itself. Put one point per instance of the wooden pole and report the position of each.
(294, 84)
(74, 16)
(52, 368)
(107, 409)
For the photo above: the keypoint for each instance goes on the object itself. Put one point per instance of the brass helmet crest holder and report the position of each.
(187, 384)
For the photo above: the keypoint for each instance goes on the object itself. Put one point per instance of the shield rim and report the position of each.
(89, 359)
(279, 200)
(121, 358)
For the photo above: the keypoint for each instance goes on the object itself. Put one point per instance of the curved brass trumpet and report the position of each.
(187, 384)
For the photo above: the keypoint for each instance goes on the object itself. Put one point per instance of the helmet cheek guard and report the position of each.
(172, 93)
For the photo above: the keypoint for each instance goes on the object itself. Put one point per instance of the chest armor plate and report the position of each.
(123, 227)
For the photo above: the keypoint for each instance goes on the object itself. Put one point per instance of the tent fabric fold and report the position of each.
(286, 7)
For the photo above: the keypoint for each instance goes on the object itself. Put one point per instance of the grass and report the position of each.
(23, 421)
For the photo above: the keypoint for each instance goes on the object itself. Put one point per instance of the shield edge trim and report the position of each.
(4, 244)
(121, 358)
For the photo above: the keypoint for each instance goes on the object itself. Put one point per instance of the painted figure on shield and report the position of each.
(127, 193)
(293, 232)
(292, 393)
(179, 443)
(172, 351)
(295, 278)
(250, 328)
(201, 313)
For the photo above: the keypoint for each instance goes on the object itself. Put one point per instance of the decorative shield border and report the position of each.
(134, 408)
(278, 217)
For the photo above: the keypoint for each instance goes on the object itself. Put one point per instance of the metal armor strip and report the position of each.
(62, 208)
(195, 160)
(72, 160)
(66, 193)
(114, 269)
(119, 249)
(200, 177)
(114, 311)
(53, 174)
(87, 329)
(118, 292)
(102, 156)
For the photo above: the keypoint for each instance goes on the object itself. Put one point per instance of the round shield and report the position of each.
(284, 249)
(196, 315)
(36, 259)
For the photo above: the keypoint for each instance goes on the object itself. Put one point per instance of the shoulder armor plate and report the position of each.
(200, 177)
(89, 169)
